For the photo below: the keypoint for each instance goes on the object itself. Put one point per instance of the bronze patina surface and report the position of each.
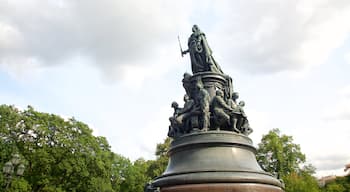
(223, 187)
(214, 157)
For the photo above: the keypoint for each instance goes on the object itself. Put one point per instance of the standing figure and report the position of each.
(186, 83)
(202, 100)
(200, 53)
(228, 89)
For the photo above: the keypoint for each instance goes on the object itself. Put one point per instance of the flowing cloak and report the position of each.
(201, 54)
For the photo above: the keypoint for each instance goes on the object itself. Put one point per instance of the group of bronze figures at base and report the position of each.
(202, 113)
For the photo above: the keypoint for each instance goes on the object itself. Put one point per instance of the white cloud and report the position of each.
(114, 34)
(135, 76)
(260, 122)
(21, 68)
(339, 110)
(344, 92)
(347, 57)
(123, 37)
(330, 136)
(271, 36)
(10, 37)
(155, 131)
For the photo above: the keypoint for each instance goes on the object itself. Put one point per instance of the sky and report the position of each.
(116, 65)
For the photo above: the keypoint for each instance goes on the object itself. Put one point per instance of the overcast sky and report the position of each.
(116, 65)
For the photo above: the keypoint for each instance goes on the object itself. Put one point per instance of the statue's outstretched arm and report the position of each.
(184, 52)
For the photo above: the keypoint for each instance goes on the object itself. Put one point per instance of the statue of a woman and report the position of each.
(200, 53)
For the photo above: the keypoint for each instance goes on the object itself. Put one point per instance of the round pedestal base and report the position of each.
(214, 161)
(222, 187)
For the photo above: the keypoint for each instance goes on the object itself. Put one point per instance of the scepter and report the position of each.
(182, 54)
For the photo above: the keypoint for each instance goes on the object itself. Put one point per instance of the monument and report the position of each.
(211, 150)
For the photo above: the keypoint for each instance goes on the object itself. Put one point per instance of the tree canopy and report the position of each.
(279, 155)
(63, 155)
(340, 184)
(60, 154)
(157, 167)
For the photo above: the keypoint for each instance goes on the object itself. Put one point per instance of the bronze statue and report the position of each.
(223, 113)
(180, 121)
(219, 108)
(235, 113)
(182, 118)
(186, 83)
(232, 100)
(210, 100)
(200, 53)
(202, 100)
(174, 128)
(242, 121)
(210, 150)
(228, 89)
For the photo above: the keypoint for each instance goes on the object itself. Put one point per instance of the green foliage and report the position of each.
(340, 184)
(300, 182)
(278, 154)
(158, 166)
(60, 155)
(120, 167)
(136, 177)
(19, 184)
(334, 187)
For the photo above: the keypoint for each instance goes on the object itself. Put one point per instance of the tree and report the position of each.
(278, 154)
(300, 182)
(120, 167)
(60, 154)
(334, 187)
(281, 157)
(158, 166)
(340, 184)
